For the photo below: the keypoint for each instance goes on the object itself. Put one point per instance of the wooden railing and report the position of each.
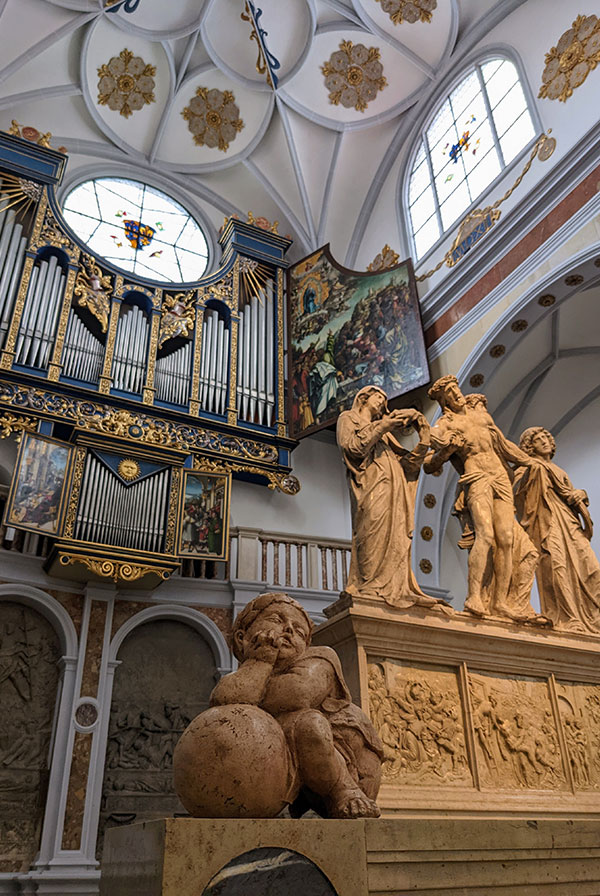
(269, 558)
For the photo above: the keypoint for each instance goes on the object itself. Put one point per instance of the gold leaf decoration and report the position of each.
(178, 314)
(353, 75)
(410, 11)
(569, 63)
(213, 118)
(387, 258)
(126, 83)
(92, 289)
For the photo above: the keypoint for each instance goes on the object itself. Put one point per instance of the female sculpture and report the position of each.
(382, 478)
(556, 518)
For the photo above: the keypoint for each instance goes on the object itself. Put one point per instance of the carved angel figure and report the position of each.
(92, 289)
(556, 518)
(177, 317)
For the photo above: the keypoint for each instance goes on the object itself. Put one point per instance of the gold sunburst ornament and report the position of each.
(129, 469)
(126, 83)
(569, 63)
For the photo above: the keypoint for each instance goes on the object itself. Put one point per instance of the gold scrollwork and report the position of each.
(222, 291)
(117, 570)
(9, 424)
(173, 510)
(52, 235)
(92, 289)
(134, 426)
(285, 482)
(69, 526)
(385, 259)
(177, 316)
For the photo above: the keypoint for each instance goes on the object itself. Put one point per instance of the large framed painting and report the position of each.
(349, 329)
(36, 500)
(204, 516)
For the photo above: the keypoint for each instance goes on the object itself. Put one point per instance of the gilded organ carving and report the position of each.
(418, 716)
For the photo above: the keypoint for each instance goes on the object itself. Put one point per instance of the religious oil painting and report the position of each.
(349, 329)
(204, 516)
(37, 495)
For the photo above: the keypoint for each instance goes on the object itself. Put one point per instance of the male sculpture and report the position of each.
(467, 434)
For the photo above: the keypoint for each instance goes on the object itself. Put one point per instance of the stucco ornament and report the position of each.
(213, 118)
(410, 11)
(569, 63)
(353, 75)
(126, 83)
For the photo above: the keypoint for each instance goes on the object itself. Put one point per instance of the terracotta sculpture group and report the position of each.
(521, 516)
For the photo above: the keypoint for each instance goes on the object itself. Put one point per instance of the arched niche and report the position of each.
(537, 365)
(35, 633)
(167, 662)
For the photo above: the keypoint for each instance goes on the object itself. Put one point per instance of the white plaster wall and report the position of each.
(320, 509)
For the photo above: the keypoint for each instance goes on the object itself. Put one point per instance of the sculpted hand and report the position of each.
(263, 647)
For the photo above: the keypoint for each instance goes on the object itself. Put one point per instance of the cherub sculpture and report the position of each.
(333, 756)
(92, 290)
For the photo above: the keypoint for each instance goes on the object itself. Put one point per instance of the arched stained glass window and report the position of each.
(137, 228)
(477, 132)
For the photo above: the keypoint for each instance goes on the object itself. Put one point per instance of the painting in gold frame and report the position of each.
(204, 516)
(36, 501)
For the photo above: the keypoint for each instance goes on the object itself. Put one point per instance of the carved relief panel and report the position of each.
(516, 739)
(417, 712)
(165, 678)
(29, 654)
(579, 706)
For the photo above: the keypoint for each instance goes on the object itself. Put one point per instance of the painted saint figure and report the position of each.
(557, 519)
(382, 478)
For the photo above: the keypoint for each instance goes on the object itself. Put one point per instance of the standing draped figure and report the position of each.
(557, 520)
(382, 478)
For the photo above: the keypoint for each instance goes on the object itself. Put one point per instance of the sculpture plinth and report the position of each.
(476, 716)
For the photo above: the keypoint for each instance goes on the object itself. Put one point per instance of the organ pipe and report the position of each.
(128, 515)
(256, 358)
(129, 361)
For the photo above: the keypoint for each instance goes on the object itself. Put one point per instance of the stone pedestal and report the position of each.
(367, 857)
(478, 717)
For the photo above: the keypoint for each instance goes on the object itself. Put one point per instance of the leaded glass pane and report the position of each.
(508, 110)
(500, 83)
(517, 137)
(427, 236)
(138, 228)
(423, 208)
(464, 95)
(455, 205)
(484, 173)
(418, 181)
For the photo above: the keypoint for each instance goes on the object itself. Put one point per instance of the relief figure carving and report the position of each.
(420, 724)
(579, 706)
(515, 734)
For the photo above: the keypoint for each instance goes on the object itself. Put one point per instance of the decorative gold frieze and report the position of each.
(117, 570)
(385, 259)
(92, 289)
(126, 83)
(133, 425)
(285, 482)
(213, 118)
(569, 63)
(410, 11)
(69, 526)
(172, 515)
(52, 235)
(353, 75)
(177, 316)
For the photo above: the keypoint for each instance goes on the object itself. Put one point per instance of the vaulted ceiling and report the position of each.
(296, 110)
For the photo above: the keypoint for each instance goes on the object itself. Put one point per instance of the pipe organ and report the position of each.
(168, 377)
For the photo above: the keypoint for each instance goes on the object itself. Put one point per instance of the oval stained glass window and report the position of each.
(137, 228)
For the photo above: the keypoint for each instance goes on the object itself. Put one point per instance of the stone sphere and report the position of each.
(232, 762)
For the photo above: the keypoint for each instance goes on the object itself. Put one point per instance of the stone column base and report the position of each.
(367, 857)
